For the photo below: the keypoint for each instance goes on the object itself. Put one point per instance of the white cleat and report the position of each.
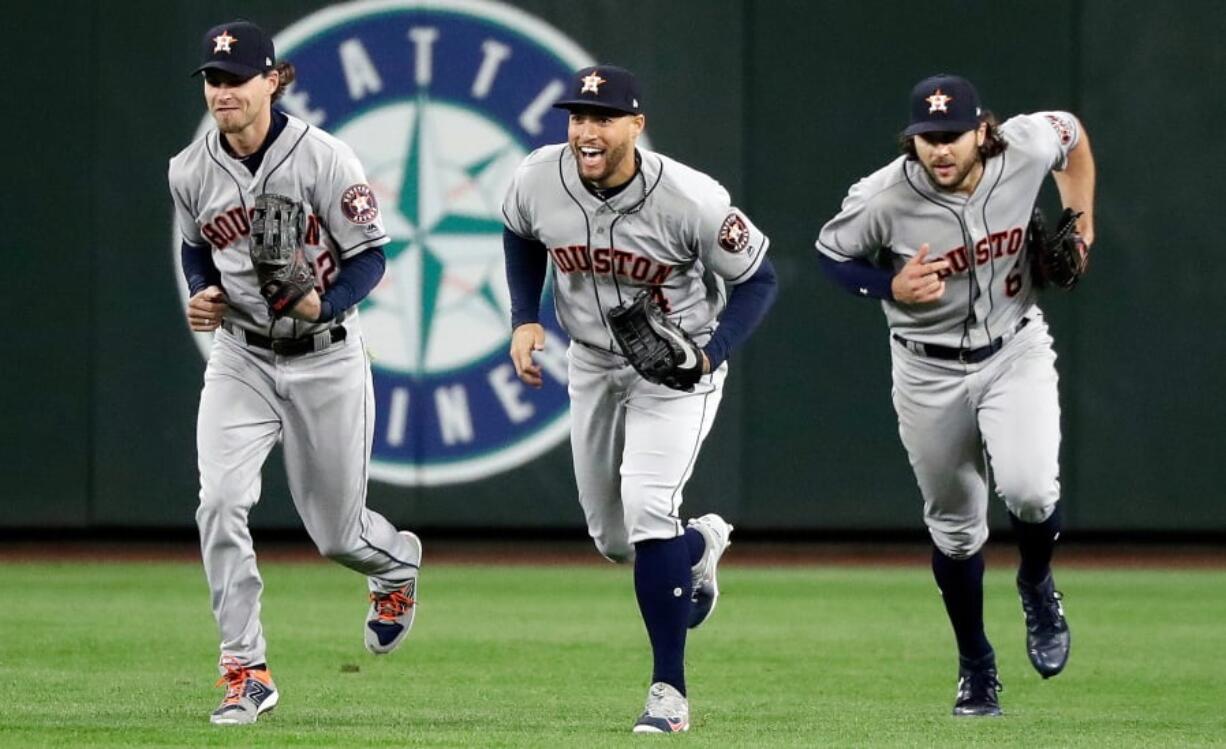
(667, 711)
(715, 531)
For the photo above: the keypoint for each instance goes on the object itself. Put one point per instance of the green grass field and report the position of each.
(123, 654)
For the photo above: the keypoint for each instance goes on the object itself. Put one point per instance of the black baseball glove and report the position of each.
(1060, 258)
(285, 277)
(657, 348)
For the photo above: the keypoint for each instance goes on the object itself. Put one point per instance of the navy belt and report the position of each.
(963, 355)
(288, 346)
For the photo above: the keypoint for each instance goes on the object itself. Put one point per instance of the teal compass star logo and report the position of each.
(440, 100)
(442, 303)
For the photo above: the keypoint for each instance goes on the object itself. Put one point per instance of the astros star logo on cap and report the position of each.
(592, 82)
(938, 102)
(223, 42)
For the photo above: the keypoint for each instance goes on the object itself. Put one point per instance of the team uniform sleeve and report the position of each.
(347, 206)
(727, 241)
(185, 217)
(517, 208)
(857, 232)
(1052, 134)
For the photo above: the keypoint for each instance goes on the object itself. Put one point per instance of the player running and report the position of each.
(617, 220)
(302, 379)
(938, 236)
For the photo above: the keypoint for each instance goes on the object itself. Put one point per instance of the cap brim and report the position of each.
(939, 127)
(233, 68)
(569, 104)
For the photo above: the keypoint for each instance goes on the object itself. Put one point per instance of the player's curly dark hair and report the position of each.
(286, 69)
(993, 144)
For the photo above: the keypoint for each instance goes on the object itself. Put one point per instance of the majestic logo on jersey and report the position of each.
(359, 205)
(440, 100)
(223, 41)
(592, 83)
(938, 102)
(733, 233)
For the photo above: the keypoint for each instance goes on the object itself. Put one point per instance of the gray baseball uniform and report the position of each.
(672, 230)
(957, 418)
(319, 404)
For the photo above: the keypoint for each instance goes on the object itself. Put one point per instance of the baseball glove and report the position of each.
(657, 348)
(285, 277)
(1061, 258)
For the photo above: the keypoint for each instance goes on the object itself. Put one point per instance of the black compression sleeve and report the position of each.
(526, 263)
(748, 303)
(860, 277)
(198, 267)
(358, 275)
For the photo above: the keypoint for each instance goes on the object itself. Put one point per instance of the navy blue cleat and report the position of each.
(977, 689)
(1047, 633)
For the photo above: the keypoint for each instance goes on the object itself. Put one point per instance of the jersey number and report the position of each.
(1013, 281)
(325, 272)
(657, 295)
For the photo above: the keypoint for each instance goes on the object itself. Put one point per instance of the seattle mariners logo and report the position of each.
(441, 100)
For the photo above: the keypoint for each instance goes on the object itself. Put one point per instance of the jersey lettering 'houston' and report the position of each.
(672, 230)
(897, 209)
(214, 194)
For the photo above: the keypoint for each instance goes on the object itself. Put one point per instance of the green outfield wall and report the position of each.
(786, 103)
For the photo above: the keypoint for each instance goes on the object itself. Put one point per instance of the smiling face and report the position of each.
(602, 141)
(239, 106)
(952, 159)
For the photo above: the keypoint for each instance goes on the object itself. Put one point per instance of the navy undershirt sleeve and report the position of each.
(198, 267)
(860, 277)
(526, 263)
(358, 275)
(748, 303)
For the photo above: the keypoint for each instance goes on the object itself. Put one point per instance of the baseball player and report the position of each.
(617, 220)
(938, 236)
(303, 378)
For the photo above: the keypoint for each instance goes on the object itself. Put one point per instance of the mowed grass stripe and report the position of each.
(123, 654)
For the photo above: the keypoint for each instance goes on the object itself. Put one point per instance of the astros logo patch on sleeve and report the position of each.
(733, 233)
(359, 204)
(1062, 128)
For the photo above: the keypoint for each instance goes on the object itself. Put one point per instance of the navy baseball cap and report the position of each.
(943, 103)
(240, 48)
(603, 87)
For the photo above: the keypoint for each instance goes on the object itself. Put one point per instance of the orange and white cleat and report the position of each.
(391, 614)
(250, 692)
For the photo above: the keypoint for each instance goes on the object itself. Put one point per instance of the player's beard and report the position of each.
(953, 180)
(613, 159)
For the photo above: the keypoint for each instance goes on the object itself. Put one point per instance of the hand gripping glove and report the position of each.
(1061, 258)
(657, 348)
(285, 277)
